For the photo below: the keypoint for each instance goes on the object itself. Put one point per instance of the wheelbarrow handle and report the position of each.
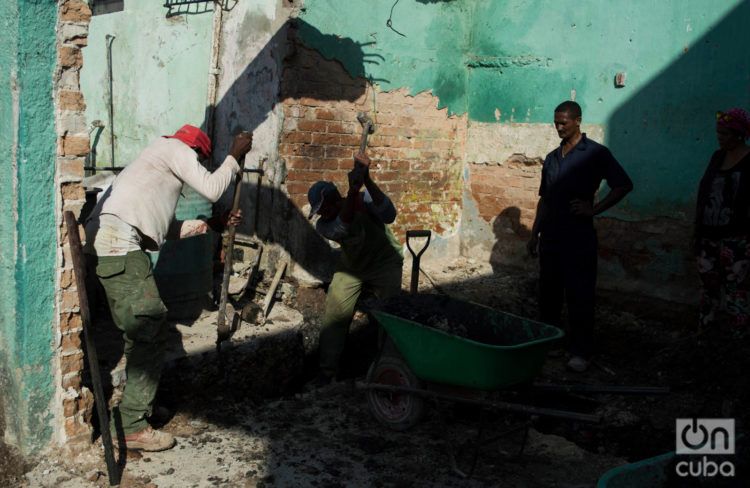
(416, 256)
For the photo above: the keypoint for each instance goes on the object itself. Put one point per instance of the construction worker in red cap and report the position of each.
(137, 213)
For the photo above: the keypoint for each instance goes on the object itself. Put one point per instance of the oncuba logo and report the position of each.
(706, 437)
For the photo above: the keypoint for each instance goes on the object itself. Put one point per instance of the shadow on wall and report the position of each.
(251, 99)
(664, 133)
(507, 223)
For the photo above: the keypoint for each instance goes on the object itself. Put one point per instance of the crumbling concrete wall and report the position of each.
(73, 403)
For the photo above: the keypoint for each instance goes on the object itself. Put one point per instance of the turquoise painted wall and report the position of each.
(160, 75)
(683, 58)
(8, 67)
(429, 56)
(28, 326)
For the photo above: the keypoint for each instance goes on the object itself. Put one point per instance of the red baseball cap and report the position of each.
(193, 137)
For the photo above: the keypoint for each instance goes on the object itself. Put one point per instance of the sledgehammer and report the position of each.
(368, 127)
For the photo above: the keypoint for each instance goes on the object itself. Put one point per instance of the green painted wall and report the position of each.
(159, 70)
(429, 57)
(684, 59)
(29, 254)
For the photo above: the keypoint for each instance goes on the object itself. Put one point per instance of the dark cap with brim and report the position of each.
(316, 194)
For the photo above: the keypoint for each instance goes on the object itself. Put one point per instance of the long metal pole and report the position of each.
(110, 107)
(79, 270)
(510, 407)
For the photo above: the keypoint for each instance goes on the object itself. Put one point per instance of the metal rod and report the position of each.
(79, 270)
(614, 389)
(223, 328)
(214, 71)
(110, 105)
(500, 405)
(95, 168)
(272, 290)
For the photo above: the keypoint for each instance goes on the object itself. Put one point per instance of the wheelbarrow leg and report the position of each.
(411, 234)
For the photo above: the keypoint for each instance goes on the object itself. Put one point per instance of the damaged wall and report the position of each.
(73, 404)
(27, 223)
(660, 124)
(508, 64)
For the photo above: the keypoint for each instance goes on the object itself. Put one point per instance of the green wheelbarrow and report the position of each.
(495, 351)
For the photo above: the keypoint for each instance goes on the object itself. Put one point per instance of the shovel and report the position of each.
(412, 234)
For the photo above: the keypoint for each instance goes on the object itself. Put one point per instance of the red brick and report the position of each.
(306, 176)
(297, 137)
(71, 342)
(68, 300)
(70, 100)
(324, 114)
(75, 11)
(69, 57)
(70, 321)
(75, 145)
(72, 381)
(326, 139)
(71, 364)
(75, 426)
(311, 151)
(326, 164)
(311, 125)
(72, 191)
(298, 162)
(311, 102)
(70, 407)
(294, 111)
(339, 152)
(67, 278)
(349, 140)
(297, 187)
(70, 168)
(342, 128)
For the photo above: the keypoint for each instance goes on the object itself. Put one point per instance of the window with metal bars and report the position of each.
(99, 7)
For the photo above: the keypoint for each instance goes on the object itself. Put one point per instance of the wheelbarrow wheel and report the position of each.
(397, 411)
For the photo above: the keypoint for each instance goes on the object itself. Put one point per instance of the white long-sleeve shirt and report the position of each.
(144, 195)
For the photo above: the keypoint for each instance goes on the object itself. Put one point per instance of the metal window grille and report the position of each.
(100, 7)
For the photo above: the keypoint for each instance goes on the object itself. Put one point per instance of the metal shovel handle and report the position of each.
(416, 256)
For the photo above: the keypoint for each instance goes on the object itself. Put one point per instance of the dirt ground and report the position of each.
(236, 430)
(12, 465)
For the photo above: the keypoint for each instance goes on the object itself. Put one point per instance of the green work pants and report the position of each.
(345, 288)
(140, 314)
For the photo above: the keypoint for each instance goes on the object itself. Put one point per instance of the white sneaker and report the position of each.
(578, 364)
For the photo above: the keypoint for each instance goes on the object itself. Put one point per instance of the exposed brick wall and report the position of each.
(648, 257)
(508, 191)
(73, 145)
(417, 150)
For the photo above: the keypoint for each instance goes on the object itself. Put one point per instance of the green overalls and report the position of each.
(370, 257)
(140, 314)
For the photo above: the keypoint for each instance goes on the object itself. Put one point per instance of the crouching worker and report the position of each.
(137, 213)
(370, 255)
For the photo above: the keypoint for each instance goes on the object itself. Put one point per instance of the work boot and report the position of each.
(578, 364)
(149, 440)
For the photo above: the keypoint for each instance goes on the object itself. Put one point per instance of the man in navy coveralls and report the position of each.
(563, 234)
